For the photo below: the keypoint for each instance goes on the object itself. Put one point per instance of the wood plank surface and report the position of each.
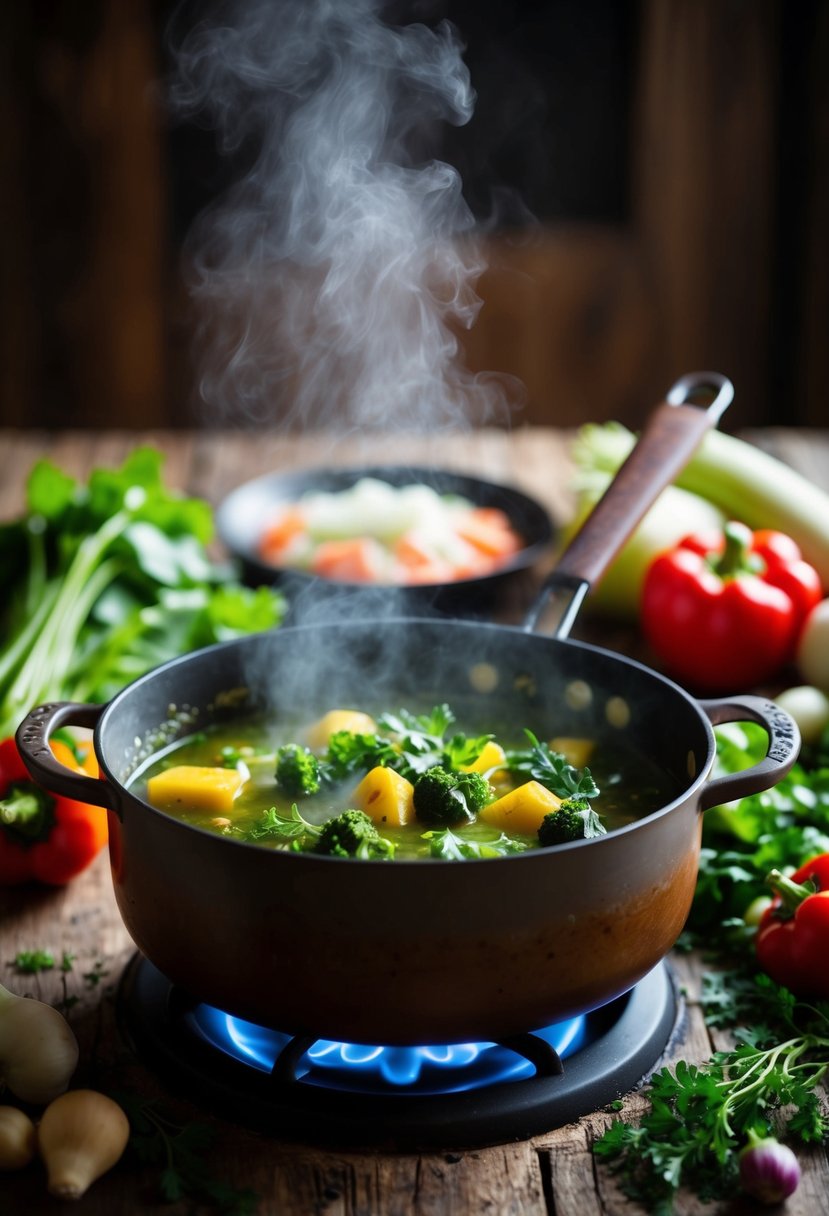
(553, 1174)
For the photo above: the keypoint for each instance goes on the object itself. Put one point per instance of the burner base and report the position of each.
(629, 1037)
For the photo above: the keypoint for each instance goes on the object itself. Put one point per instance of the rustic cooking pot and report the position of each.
(416, 952)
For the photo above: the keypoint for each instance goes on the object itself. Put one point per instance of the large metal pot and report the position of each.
(414, 951)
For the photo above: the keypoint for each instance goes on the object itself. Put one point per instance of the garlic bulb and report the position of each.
(17, 1138)
(38, 1051)
(81, 1135)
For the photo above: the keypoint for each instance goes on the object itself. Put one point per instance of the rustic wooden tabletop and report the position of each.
(553, 1173)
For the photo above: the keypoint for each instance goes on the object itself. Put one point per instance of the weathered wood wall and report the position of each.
(722, 262)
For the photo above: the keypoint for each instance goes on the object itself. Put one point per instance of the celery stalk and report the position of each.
(743, 481)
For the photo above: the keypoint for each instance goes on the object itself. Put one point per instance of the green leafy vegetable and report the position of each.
(180, 1152)
(552, 770)
(104, 581)
(701, 1116)
(449, 847)
(30, 962)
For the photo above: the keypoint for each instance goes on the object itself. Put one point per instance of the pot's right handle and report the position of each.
(32, 738)
(781, 753)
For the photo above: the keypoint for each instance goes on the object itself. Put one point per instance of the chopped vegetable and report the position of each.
(443, 797)
(352, 834)
(552, 769)
(45, 837)
(297, 771)
(374, 532)
(385, 796)
(793, 934)
(522, 809)
(744, 482)
(336, 720)
(724, 612)
(575, 819)
(199, 788)
(104, 581)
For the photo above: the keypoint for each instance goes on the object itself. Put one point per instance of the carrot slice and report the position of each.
(279, 534)
(352, 561)
(489, 529)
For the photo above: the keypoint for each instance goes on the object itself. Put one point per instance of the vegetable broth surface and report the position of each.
(631, 786)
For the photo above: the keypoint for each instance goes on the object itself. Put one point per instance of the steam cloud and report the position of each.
(331, 278)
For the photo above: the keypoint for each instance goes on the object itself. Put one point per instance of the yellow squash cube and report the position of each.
(521, 810)
(386, 797)
(575, 750)
(492, 757)
(195, 787)
(352, 720)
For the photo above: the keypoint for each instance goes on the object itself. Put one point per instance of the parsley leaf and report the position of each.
(449, 847)
(552, 770)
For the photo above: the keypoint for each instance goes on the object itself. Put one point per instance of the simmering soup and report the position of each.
(399, 785)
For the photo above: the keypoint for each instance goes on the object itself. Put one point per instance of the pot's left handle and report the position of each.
(32, 738)
(782, 750)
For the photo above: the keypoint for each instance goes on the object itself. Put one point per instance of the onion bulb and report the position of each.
(769, 1170)
(81, 1135)
(38, 1051)
(17, 1138)
(813, 647)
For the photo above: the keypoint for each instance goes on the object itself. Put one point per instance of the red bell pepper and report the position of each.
(793, 935)
(45, 837)
(724, 612)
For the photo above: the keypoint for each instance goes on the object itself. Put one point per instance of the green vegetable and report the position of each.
(745, 483)
(575, 819)
(449, 847)
(552, 770)
(104, 581)
(352, 834)
(30, 962)
(297, 770)
(701, 1117)
(443, 797)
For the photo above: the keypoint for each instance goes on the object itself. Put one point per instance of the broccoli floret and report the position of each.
(442, 797)
(297, 770)
(352, 834)
(575, 819)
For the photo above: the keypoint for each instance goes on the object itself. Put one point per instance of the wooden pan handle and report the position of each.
(671, 436)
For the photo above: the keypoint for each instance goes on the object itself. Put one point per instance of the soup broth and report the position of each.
(243, 794)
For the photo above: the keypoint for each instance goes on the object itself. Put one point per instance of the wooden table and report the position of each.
(554, 1172)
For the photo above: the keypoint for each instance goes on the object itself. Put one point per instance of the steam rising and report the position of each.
(331, 278)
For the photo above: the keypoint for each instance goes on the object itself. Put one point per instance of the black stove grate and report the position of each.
(623, 1042)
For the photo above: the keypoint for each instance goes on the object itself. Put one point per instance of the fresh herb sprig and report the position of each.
(447, 846)
(180, 1151)
(551, 769)
(702, 1115)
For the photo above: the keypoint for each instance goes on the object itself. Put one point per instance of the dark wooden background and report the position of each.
(682, 192)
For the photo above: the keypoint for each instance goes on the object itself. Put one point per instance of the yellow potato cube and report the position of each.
(521, 810)
(352, 720)
(492, 757)
(386, 797)
(198, 788)
(576, 751)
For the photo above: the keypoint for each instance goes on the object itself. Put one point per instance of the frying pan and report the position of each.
(425, 951)
(239, 521)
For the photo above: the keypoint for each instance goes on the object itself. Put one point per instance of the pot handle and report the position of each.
(783, 748)
(32, 738)
(673, 432)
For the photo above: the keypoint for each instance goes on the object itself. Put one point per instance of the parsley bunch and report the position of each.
(701, 1116)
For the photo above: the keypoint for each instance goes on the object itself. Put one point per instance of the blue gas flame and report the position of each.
(423, 1070)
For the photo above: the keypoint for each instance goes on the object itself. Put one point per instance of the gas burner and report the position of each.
(463, 1095)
